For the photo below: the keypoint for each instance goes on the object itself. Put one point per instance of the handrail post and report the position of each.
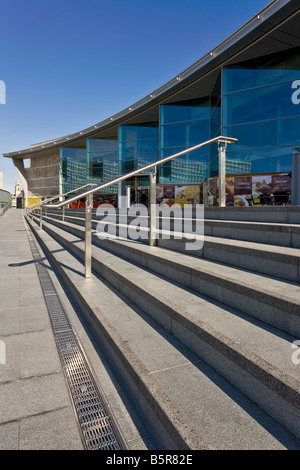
(152, 207)
(128, 194)
(41, 218)
(222, 174)
(63, 211)
(88, 235)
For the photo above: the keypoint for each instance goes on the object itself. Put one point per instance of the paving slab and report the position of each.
(35, 409)
(42, 433)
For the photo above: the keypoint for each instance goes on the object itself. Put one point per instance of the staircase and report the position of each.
(202, 341)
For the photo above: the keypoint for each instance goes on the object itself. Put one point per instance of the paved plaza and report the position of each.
(35, 410)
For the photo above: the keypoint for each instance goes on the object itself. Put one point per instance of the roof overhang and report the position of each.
(273, 29)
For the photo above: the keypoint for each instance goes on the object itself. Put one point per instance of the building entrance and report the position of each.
(143, 195)
(19, 203)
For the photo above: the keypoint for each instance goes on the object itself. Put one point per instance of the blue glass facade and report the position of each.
(73, 169)
(257, 102)
(98, 163)
(183, 125)
(102, 162)
(260, 108)
(138, 146)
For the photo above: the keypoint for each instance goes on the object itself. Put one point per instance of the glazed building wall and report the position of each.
(183, 125)
(73, 169)
(261, 108)
(102, 162)
(257, 102)
(138, 146)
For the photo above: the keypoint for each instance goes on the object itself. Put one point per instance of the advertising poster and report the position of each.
(168, 195)
(210, 190)
(261, 185)
(189, 194)
(281, 183)
(159, 194)
(241, 200)
(181, 194)
(229, 200)
(213, 187)
(242, 185)
(169, 192)
(239, 190)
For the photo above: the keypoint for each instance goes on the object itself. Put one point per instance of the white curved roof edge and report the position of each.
(265, 13)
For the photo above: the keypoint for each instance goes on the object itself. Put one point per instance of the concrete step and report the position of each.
(260, 232)
(188, 404)
(273, 214)
(264, 214)
(252, 356)
(270, 299)
(281, 234)
(278, 261)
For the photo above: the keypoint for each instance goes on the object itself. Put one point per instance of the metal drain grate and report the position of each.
(97, 426)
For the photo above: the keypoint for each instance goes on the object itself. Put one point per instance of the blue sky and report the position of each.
(68, 64)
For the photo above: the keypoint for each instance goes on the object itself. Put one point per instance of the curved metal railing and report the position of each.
(37, 204)
(222, 144)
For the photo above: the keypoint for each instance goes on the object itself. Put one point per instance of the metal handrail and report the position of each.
(37, 204)
(152, 200)
(221, 139)
(4, 209)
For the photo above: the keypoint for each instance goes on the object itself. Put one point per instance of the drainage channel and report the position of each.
(96, 424)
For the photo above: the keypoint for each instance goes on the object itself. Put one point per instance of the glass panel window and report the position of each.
(184, 134)
(103, 162)
(255, 161)
(261, 108)
(193, 167)
(260, 104)
(265, 70)
(186, 124)
(138, 146)
(73, 168)
(185, 111)
(134, 133)
(277, 132)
